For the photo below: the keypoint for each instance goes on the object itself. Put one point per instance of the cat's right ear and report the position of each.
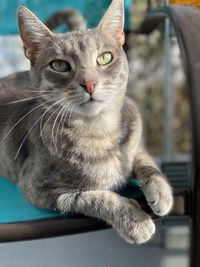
(33, 33)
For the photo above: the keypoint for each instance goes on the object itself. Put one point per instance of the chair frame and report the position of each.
(186, 22)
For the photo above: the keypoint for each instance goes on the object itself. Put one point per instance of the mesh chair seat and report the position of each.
(14, 208)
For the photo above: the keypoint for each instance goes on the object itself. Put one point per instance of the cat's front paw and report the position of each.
(158, 194)
(136, 226)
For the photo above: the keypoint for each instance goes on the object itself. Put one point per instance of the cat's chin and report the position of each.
(91, 108)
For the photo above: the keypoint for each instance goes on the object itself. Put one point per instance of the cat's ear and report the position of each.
(112, 23)
(33, 32)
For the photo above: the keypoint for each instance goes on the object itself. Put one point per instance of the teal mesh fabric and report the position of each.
(14, 208)
(91, 9)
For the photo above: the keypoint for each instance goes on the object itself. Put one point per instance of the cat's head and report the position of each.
(87, 69)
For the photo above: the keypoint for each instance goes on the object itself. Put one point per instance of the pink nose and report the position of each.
(89, 87)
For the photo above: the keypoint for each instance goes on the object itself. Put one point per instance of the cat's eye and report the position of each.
(104, 58)
(60, 65)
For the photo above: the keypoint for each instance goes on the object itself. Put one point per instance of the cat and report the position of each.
(70, 137)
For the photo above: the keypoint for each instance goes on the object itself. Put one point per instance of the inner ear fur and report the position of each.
(112, 23)
(32, 31)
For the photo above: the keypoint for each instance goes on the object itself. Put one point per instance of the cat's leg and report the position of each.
(126, 216)
(156, 189)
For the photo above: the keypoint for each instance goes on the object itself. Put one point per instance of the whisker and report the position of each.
(54, 124)
(24, 139)
(26, 99)
(42, 104)
(65, 109)
(61, 119)
(38, 91)
(70, 114)
(66, 113)
(41, 133)
(49, 119)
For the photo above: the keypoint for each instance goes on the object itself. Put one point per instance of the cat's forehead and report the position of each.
(81, 42)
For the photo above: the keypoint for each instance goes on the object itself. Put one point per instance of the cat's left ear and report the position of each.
(33, 32)
(112, 23)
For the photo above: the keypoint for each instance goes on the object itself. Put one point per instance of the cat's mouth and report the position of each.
(91, 100)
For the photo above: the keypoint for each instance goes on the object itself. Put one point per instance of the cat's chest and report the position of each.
(95, 161)
(103, 174)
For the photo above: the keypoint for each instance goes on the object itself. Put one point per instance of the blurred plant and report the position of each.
(138, 12)
(146, 87)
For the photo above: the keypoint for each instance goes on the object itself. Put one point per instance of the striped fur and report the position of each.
(67, 151)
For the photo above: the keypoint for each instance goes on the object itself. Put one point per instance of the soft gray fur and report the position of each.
(66, 147)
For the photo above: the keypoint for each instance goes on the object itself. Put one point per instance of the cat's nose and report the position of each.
(89, 86)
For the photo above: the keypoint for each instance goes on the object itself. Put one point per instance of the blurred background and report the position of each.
(157, 84)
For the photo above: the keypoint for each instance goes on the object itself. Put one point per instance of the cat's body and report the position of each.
(80, 137)
(93, 152)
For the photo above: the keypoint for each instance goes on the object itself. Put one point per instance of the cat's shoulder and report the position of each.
(131, 121)
(130, 108)
(130, 115)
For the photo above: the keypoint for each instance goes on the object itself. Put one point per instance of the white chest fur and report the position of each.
(98, 146)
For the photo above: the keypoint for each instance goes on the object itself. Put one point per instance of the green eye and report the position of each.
(60, 65)
(104, 58)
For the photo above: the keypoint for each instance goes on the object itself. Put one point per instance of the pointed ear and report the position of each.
(112, 23)
(33, 33)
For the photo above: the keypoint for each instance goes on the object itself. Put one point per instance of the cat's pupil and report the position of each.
(60, 65)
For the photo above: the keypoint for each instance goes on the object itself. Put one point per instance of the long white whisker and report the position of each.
(62, 120)
(26, 99)
(55, 140)
(66, 113)
(54, 124)
(49, 119)
(24, 139)
(24, 118)
(70, 114)
(41, 133)
(62, 115)
(38, 91)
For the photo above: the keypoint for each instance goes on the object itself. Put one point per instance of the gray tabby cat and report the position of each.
(70, 136)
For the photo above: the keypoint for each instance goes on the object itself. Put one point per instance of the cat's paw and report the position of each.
(158, 194)
(136, 226)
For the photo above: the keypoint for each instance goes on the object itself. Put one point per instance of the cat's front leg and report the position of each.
(156, 189)
(126, 216)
